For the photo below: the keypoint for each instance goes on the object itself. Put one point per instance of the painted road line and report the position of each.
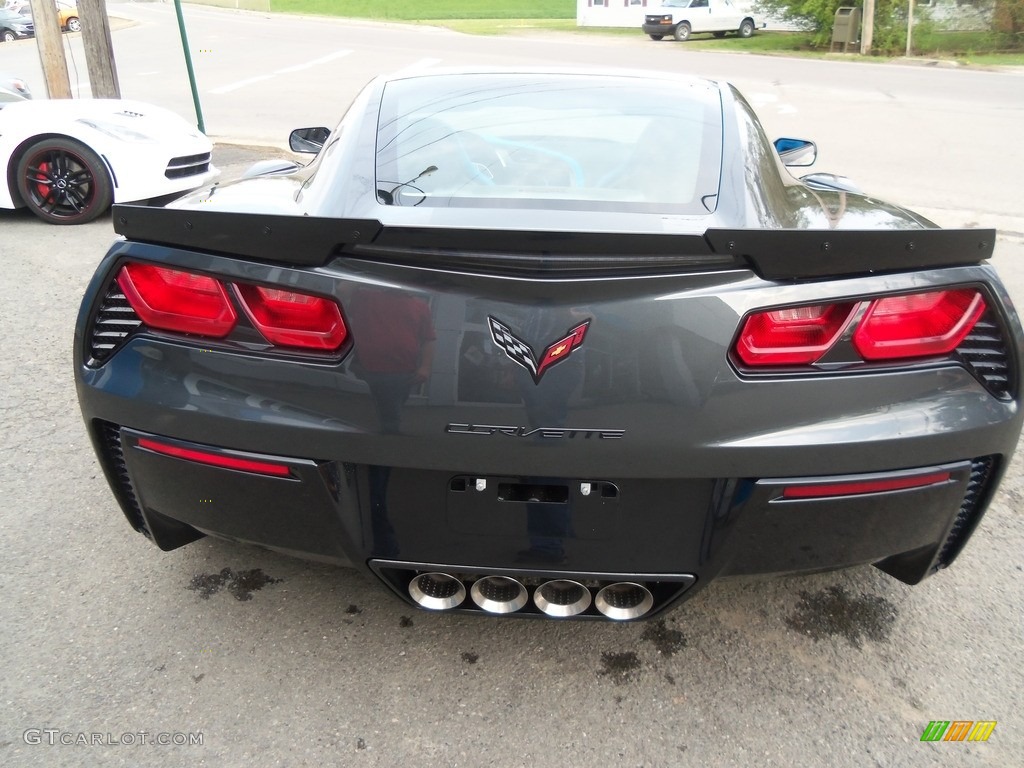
(286, 70)
(313, 63)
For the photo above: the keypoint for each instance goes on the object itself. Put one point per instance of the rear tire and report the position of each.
(63, 182)
(8, 36)
(74, 25)
(746, 28)
(682, 33)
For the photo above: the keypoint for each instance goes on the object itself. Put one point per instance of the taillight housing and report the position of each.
(175, 300)
(291, 319)
(792, 336)
(901, 327)
(917, 325)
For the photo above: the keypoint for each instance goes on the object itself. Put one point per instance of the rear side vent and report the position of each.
(113, 453)
(985, 354)
(978, 488)
(115, 321)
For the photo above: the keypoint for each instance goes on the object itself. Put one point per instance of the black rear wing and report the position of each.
(786, 254)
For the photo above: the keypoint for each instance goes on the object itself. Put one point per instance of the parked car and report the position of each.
(67, 16)
(489, 348)
(14, 26)
(13, 89)
(681, 18)
(68, 160)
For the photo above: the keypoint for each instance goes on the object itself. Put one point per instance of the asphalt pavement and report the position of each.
(108, 645)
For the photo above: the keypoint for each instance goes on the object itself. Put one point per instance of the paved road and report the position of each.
(278, 662)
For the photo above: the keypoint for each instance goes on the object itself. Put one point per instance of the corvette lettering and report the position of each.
(550, 433)
(521, 353)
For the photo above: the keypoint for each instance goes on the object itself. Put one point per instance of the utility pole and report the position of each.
(99, 52)
(51, 52)
(910, 29)
(867, 35)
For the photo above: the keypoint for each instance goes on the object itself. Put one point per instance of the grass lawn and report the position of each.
(417, 10)
(491, 17)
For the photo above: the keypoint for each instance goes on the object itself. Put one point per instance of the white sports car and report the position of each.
(67, 161)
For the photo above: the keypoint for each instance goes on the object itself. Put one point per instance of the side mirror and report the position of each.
(796, 153)
(308, 140)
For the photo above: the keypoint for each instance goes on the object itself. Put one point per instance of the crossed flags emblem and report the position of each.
(520, 353)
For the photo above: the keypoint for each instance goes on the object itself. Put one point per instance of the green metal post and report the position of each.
(188, 65)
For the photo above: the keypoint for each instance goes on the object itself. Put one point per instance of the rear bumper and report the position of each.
(644, 457)
(665, 534)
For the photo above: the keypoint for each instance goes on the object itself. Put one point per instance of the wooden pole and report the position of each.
(867, 36)
(51, 51)
(99, 51)
(910, 29)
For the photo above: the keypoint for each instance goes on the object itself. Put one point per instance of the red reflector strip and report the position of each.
(858, 487)
(216, 459)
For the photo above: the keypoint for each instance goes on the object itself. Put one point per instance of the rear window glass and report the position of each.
(549, 141)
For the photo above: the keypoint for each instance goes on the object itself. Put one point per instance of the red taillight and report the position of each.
(294, 319)
(172, 300)
(175, 300)
(795, 336)
(918, 325)
(908, 326)
(216, 459)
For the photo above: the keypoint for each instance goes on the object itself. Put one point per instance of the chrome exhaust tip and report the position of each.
(624, 600)
(562, 597)
(437, 591)
(498, 594)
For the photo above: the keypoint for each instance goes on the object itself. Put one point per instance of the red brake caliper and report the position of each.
(44, 189)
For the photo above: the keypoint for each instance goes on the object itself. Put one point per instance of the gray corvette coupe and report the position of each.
(553, 344)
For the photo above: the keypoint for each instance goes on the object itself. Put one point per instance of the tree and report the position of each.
(1008, 17)
(818, 17)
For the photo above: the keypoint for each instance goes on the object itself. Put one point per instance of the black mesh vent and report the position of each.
(984, 352)
(114, 322)
(110, 442)
(187, 165)
(982, 471)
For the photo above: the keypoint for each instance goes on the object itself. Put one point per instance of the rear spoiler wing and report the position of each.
(786, 254)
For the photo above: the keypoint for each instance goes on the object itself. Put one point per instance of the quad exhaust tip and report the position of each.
(624, 600)
(437, 591)
(558, 598)
(562, 597)
(499, 594)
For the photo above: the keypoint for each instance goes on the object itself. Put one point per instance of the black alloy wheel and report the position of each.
(63, 182)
